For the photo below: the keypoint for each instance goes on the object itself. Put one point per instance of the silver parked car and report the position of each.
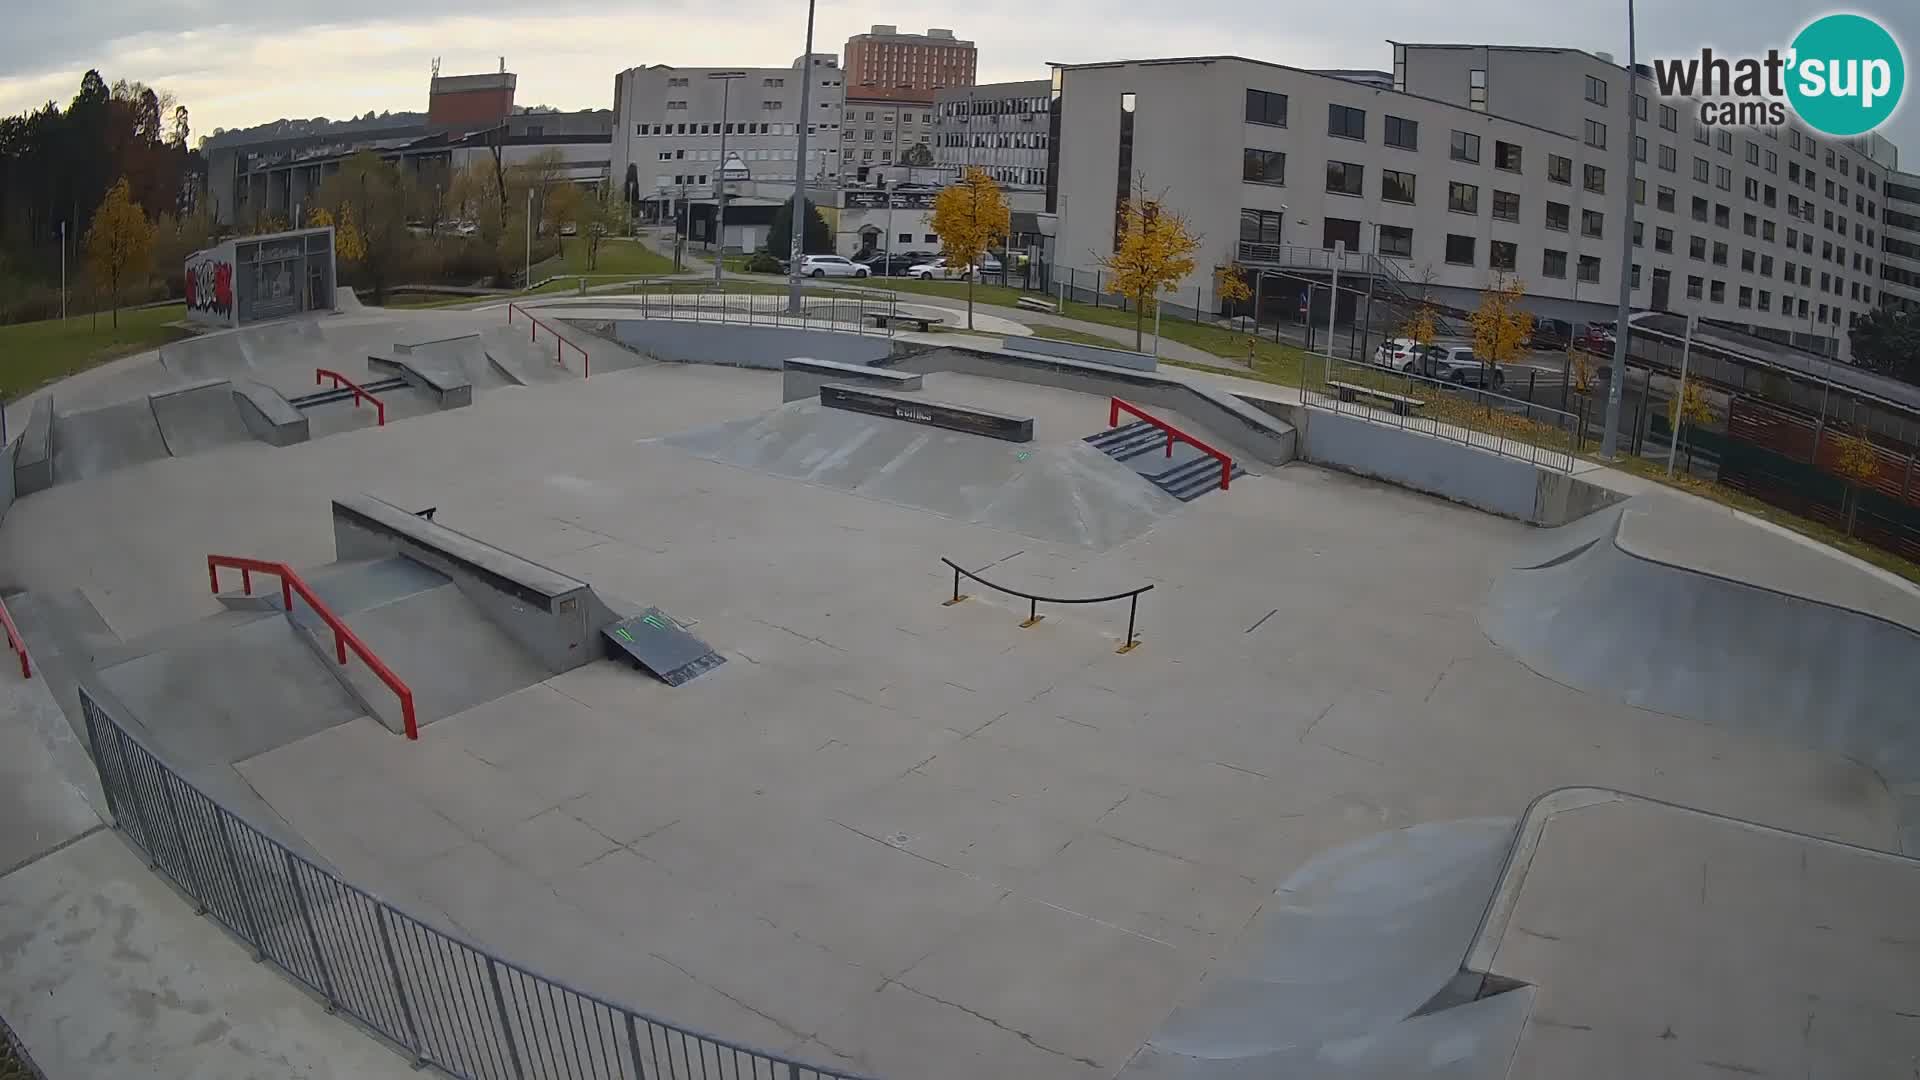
(1457, 364)
(830, 266)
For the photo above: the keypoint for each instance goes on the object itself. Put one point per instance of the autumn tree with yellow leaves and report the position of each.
(1230, 284)
(1500, 325)
(1689, 406)
(119, 244)
(968, 217)
(1855, 459)
(1154, 252)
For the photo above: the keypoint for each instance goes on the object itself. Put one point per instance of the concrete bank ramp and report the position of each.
(466, 355)
(519, 361)
(1065, 492)
(87, 444)
(1698, 614)
(199, 417)
(1346, 972)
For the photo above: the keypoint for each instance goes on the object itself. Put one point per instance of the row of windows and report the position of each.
(715, 129)
(995, 106)
(775, 154)
(1349, 178)
(1011, 140)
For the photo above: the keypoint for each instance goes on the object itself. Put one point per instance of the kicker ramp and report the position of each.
(556, 618)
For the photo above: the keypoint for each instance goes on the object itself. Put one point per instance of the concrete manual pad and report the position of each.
(87, 444)
(199, 417)
(1067, 493)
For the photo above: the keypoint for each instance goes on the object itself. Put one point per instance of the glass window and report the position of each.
(1696, 287)
(1402, 133)
(1669, 118)
(1557, 216)
(1639, 234)
(1590, 268)
(1465, 147)
(1753, 152)
(1559, 169)
(1596, 90)
(1591, 222)
(1346, 123)
(1506, 156)
(1723, 141)
(1639, 148)
(1747, 260)
(1502, 255)
(1773, 162)
(1700, 135)
(1463, 198)
(1717, 292)
(1723, 178)
(1697, 248)
(1506, 205)
(1263, 167)
(1345, 178)
(1640, 106)
(1719, 253)
(1596, 179)
(1722, 215)
(1669, 158)
(1477, 89)
(1663, 199)
(1396, 240)
(1396, 186)
(1261, 226)
(1766, 230)
(1553, 263)
(1596, 134)
(1663, 240)
(1766, 300)
(1460, 249)
(1266, 108)
(1702, 170)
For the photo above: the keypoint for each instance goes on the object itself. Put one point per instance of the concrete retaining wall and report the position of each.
(745, 346)
(1454, 471)
(1073, 350)
(803, 376)
(33, 458)
(1265, 437)
(554, 617)
(6, 477)
(268, 415)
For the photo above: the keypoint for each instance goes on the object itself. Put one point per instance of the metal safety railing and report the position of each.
(343, 636)
(1132, 597)
(444, 1001)
(848, 313)
(1486, 419)
(321, 375)
(561, 344)
(1174, 434)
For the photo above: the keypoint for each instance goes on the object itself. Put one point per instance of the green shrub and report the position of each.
(763, 262)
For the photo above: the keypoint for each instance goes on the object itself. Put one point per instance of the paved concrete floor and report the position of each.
(913, 838)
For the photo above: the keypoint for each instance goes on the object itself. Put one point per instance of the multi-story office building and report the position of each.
(668, 128)
(1486, 162)
(1900, 243)
(884, 56)
(999, 127)
(881, 125)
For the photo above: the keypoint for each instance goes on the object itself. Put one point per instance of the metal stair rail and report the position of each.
(1388, 272)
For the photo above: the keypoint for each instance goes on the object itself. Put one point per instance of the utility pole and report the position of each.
(529, 238)
(1610, 437)
(800, 170)
(63, 270)
(720, 177)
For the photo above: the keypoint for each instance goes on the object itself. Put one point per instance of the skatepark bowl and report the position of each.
(1386, 785)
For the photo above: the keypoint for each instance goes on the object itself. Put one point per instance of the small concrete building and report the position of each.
(252, 278)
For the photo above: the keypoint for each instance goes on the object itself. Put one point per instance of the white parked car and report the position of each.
(1396, 353)
(934, 268)
(830, 266)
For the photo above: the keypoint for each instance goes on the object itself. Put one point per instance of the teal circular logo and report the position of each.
(1847, 74)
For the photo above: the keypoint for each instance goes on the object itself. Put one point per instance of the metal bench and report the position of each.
(924, 323)
(1402, 405)
(1034, 303)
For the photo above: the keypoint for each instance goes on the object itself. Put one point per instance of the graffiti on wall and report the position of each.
(210, 286)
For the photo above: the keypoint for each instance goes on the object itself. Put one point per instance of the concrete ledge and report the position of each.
(1266, 437)
(450, 390)
(1073, 350)
(804, 375)
(268, 414)
(940, 414)
(33, 460)
(554, 617)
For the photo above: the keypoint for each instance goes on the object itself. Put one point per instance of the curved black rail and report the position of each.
(1132, 596)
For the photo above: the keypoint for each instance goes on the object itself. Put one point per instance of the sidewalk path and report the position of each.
(104, 969)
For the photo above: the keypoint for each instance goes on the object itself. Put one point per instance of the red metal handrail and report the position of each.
(340, 380)
(343, 636)
(14, 640)
(1226, 463)
(561, 342)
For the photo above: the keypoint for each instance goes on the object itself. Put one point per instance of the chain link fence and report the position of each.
(446, 1002)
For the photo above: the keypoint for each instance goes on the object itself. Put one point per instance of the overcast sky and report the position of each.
(234, 65)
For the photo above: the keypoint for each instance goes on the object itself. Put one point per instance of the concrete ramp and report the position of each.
(87, 444)
(1343, 975)
(510, 354)
(1811, 655)
(1064, 492)
(199, 417)
(465, 355)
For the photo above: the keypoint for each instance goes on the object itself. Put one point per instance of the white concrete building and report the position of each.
(668, 128)
(1491, 160)
(999, 127)
(1900, 243)
(881, 125)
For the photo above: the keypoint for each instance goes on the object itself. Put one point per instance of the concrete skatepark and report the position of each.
(1391, 786)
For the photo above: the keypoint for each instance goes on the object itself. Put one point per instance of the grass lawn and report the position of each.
(1061, 333)
(36, 353)
(617, 256)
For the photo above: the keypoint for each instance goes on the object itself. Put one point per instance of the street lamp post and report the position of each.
(800, 169)
(720, 176)
(1610, 438)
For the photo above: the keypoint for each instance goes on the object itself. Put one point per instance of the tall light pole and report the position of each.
(800, 169)
(1610, 438)
(529, 237)
(720, 175)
